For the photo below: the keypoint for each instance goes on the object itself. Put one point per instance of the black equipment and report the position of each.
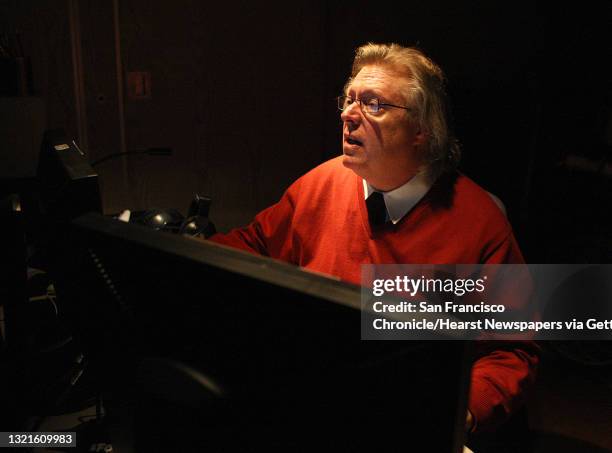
(272, 352)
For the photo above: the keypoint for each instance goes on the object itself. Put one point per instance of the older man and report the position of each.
(394, 196)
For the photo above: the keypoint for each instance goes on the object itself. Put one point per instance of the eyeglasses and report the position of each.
(371, 105)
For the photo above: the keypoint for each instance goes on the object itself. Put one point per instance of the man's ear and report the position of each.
(421, 136)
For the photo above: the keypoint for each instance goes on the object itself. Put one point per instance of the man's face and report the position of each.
(382, 148)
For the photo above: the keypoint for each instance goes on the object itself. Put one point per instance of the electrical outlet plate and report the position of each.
(139, 85)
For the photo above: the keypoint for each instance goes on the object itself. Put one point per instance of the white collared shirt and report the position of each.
(400, 201)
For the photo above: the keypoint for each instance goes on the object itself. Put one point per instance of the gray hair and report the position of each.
(426, 96)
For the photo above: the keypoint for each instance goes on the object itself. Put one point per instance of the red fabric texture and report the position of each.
(321, 223)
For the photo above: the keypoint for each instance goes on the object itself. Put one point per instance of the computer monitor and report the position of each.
(270, 334)
(65, 187)
(68, 184)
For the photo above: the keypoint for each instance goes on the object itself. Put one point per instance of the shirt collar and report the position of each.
(400, 201)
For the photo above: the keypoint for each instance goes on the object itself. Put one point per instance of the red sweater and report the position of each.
(321, 223)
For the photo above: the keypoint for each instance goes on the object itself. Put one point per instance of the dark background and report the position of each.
(244, 94)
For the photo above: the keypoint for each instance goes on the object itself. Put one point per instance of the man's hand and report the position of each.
(469, 421)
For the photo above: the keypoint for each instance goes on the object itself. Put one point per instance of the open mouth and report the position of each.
(352, 141)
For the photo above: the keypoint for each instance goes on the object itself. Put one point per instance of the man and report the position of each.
(394, 196)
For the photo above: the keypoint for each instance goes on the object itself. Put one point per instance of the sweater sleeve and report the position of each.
(501, 377)
(504, 371)
(269, 234)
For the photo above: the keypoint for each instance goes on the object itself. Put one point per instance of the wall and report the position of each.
(224, 78)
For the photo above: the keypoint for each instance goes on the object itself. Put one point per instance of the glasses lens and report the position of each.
(372, 106)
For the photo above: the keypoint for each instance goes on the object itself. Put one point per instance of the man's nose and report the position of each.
(351, 113)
